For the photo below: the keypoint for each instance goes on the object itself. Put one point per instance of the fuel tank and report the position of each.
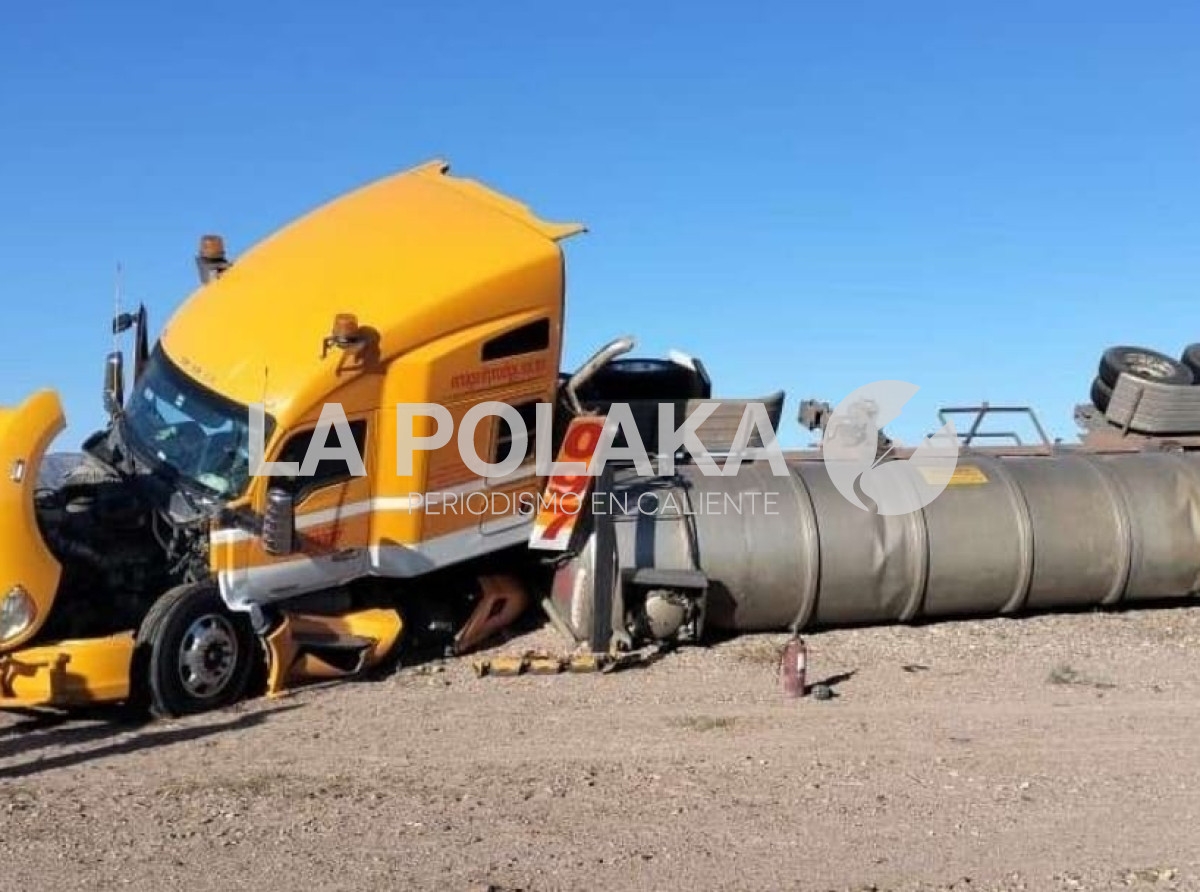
(1011, 533)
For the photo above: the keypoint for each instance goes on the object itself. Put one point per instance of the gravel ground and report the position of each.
(1058, 752)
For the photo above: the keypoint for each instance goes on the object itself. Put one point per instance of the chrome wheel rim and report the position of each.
(208, 654)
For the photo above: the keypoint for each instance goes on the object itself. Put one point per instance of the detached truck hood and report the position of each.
(26, 562)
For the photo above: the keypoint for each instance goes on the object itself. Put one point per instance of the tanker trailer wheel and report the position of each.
(1149, 365)
(1101, 394)
(193, 654)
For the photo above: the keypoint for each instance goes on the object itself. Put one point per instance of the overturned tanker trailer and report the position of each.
(215, 538)
(1113, 520)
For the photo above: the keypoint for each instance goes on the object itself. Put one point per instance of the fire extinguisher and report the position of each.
(793, 668)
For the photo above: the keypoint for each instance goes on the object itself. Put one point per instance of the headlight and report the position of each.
(16, 613)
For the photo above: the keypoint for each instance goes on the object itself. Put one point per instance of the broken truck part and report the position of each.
(157, 568)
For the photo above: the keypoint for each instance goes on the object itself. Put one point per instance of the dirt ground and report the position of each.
(1059, 752)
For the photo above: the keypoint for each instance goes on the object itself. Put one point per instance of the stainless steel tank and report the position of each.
(1012, 532)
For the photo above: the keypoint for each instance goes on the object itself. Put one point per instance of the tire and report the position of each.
(1139, 362)
(1101, 395)
(624, 380)
(1191, 359)
(192, 653)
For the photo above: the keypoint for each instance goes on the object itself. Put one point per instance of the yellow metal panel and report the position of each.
(450, 371)
(288, 666)
(25, 559)
(515, 209)
(67, 673)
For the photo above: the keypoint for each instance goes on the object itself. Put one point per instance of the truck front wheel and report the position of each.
(196, 653)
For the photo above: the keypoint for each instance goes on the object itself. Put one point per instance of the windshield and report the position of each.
(178, 425)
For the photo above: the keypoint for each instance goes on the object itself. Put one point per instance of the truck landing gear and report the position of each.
(192, 653)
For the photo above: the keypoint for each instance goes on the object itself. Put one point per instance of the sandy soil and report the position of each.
(1049, 753)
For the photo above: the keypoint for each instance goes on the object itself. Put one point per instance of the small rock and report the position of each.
(822, 692)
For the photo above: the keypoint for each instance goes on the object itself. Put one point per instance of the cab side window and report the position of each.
(529, 338)
(328, 471)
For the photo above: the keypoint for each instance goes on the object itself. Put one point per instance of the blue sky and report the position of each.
(972, 197)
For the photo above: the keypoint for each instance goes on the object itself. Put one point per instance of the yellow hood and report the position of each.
(25, 559)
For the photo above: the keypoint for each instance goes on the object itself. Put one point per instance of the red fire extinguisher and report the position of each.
(793, 667)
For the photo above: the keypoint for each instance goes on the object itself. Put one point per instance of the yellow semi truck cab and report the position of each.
(421, 288)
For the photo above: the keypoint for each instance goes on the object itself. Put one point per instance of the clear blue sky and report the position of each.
(807, 195)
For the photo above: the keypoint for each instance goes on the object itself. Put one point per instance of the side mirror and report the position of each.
(279, 523)
(114, 383)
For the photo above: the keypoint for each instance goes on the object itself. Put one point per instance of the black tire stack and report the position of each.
(1141, 362)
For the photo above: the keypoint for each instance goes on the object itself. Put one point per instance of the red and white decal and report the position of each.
(563, 500)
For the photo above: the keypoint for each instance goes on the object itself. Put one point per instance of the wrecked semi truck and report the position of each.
(162, 569)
